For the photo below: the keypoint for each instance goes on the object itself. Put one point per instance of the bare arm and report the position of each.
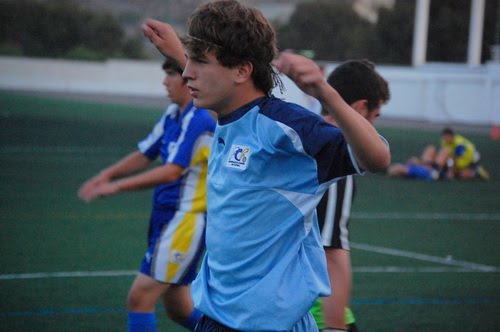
(130, 164)
(151, 178)
(163, 36)
(371, 152)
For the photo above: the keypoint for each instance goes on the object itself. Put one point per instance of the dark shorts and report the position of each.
(207, 324)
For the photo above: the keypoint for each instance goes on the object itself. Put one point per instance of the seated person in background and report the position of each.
(457, 159)
(462, 156)
(423, 168)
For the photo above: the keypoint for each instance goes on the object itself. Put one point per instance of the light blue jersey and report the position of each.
(270, 163)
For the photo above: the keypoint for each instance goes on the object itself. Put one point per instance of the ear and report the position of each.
(244, 72)
(361, 106)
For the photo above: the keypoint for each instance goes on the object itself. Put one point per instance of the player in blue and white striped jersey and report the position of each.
(181, 140)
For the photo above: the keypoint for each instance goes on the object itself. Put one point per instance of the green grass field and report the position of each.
(425, 254)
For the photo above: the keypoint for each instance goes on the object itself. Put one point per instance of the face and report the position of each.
(361, 106)
(447, 138)
(373, 114)
(176, 88)
(211, 85)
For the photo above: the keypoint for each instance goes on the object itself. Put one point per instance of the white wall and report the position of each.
(117, 77)
(444, 93)
(436, 93)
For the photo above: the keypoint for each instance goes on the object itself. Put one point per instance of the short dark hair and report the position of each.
(171, 64)
(447, 131)
(236, 33)
(356, 80)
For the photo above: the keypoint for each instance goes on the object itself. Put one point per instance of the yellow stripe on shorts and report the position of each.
(181, 242)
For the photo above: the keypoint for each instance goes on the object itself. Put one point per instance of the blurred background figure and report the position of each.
(456, 159)
(461, 156)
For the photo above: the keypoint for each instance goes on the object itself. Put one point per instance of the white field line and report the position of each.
(74, 274)
(80, 150)
(421, 269)
(427, 216)
(427, 258)
(366, 269)
(460, 266)
(359, 215)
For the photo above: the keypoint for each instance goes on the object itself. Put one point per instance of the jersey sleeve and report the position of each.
(193, 145)
(201, 148)
(320, 140)
(332, 154)
(151, 144)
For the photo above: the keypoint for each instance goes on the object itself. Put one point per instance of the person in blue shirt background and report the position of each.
(182, 140)
(269, 165)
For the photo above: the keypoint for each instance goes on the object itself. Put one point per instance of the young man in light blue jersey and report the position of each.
(269, 165)
(182, 140)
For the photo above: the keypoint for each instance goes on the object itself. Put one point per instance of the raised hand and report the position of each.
(163, 36)
(303, 71)
(96, 190)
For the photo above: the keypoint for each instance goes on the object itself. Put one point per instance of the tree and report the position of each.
(449, 30)
(331, 29)
(393, 38)
(63, 29)
(334, 32)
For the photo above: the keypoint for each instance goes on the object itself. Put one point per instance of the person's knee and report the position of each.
(177, 302)
(429, 154)
(442, 157)
(135, 299)
(143, 296)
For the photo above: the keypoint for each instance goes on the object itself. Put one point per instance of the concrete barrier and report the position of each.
(435, 93)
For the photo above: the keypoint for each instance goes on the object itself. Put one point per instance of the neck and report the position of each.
(239, 101)
(184, 104)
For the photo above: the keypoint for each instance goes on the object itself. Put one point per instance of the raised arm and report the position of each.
(163, 36)
(370, 150)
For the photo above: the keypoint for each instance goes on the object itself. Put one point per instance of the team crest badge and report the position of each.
(178, 257)
(238, 157)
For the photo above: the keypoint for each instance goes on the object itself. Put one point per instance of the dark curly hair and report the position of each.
(236, 33)
(357, 79)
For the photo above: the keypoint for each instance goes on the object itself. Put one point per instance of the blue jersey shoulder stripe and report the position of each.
(150, 146)
(322, 141)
